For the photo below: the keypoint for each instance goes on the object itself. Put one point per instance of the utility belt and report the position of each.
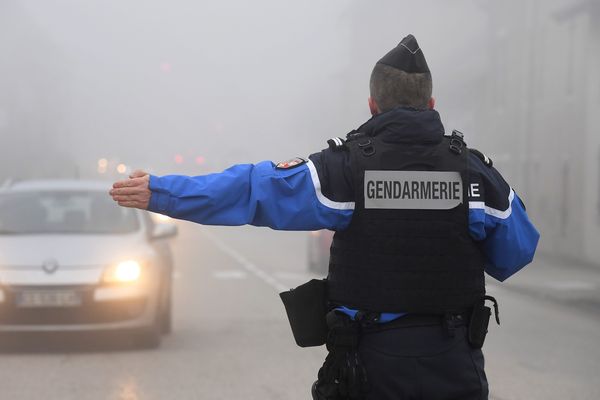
(476, 319)
(449, 321)
(307, 310)
(342, 376)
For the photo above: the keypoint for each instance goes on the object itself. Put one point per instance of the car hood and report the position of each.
(70, 250)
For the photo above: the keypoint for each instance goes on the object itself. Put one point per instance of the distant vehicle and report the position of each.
(319, 243)
(72, 260)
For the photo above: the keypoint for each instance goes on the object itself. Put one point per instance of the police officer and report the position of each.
(418, 218)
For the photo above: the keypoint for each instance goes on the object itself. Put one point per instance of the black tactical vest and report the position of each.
(408, 247)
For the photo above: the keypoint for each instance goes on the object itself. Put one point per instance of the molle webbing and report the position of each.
(408, 247)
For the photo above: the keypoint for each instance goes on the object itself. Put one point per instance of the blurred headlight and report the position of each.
(124, 272)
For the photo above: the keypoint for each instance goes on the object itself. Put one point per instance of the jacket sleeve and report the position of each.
(498, 219)
(256, 194)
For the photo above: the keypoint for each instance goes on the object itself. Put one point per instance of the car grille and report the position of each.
(90, 312)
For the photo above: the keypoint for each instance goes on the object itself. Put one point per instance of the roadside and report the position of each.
(545, 349)
(565, 282)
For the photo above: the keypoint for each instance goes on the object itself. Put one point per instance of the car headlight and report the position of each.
(123, 272)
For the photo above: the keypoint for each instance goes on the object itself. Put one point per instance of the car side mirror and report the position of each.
(164, 231)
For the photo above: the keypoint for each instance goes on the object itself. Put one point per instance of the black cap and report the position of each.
(407, 57)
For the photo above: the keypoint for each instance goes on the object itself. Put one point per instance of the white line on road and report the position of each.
(230, 274)
(294, 276)
(245, 263)
(571, 285)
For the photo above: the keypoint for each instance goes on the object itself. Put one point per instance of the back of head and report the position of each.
(402, 78)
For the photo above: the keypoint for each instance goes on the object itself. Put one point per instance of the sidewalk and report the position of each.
(563, 281)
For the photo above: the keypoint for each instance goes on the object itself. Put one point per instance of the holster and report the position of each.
(342, 376)
(306, 308)
(480, 320)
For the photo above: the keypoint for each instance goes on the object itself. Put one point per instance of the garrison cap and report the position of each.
(407, 57)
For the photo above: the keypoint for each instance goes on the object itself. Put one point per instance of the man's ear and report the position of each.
(431, 103)
(373, 107)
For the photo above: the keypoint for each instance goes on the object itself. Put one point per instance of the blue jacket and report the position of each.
(318, 194)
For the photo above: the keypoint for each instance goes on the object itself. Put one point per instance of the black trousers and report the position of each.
(423, 362)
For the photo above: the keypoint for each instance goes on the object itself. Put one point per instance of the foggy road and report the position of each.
(94, 90)
(231, 339)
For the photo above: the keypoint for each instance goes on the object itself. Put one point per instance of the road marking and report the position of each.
(571, 285)
(294, 276)
(230, 274)
(245, 263)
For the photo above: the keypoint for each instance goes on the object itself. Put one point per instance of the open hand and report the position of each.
(133, 192)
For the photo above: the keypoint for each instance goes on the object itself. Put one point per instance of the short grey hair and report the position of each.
(391, 88)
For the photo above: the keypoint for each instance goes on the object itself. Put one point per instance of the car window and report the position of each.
(64, 212)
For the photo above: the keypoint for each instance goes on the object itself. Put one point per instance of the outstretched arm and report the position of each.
(257, 194)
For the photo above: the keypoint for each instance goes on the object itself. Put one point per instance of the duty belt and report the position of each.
(343, 376)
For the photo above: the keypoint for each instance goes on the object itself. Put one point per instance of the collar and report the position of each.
(405, 124)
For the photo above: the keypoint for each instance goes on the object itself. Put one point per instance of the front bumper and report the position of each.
(102, 308)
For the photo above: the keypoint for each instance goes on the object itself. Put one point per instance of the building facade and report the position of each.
(540, 116)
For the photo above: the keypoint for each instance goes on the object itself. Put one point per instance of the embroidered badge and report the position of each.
(294, 162)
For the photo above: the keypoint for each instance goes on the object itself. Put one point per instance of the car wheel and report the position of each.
(148, 338)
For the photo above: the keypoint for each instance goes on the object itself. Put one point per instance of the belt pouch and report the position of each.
(478, 324)
(306, 307)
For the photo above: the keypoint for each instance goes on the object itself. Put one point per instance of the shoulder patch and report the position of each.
(336, 143)
(294, 162)
(485, 159)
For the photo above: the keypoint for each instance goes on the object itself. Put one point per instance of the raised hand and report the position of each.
(133, 192)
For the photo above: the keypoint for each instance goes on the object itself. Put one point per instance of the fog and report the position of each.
(192, 87)
(142, 81)
(217, 83)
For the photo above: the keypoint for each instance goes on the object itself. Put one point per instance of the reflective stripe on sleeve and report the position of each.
(321, 197)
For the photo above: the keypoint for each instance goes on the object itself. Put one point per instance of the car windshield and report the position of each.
(79, 212)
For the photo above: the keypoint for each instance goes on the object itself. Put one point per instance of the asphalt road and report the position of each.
(231, 339)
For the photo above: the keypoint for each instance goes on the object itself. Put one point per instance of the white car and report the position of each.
(73, 260)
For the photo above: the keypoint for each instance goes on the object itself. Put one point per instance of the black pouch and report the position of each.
(478, 325)
(480, 320)
(306, 308)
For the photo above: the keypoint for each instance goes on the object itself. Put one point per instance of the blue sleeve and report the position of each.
(498, 220)
(509, 239)
(256, 194)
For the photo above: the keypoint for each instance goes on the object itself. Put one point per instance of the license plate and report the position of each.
(48, 298)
